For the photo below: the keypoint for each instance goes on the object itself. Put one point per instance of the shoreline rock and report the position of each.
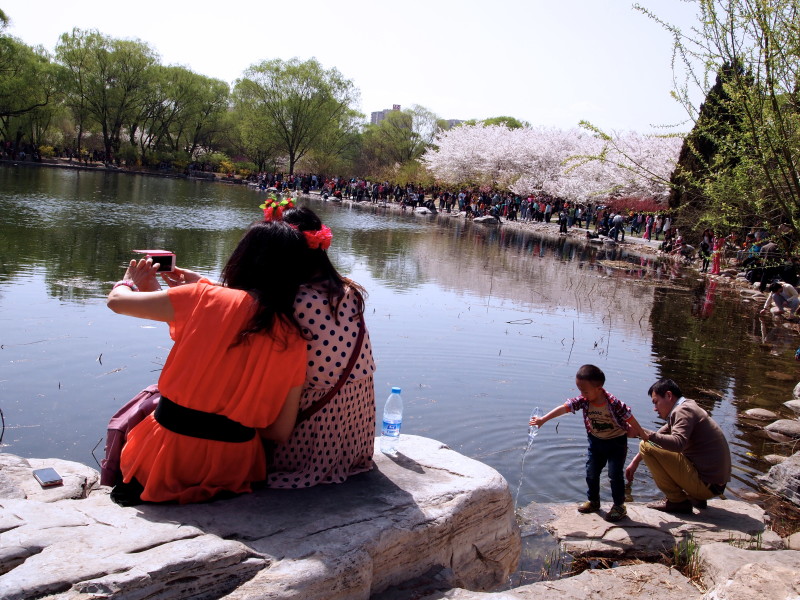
(429, 509)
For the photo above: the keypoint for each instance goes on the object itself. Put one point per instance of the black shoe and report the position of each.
(680, 508)
(700, 504)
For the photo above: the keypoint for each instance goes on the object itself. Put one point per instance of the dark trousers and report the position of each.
(613, 452)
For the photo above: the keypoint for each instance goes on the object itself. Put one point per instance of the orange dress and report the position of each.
(247, 383)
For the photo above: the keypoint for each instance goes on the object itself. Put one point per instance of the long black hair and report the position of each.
(317, 267)
(267, 263)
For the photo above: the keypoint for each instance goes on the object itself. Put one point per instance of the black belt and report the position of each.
(199, 424)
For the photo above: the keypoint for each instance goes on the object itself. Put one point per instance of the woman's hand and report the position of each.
(180, 276)
(536, 421)
(143, 273)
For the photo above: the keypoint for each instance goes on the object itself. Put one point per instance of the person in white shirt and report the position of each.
(783, 296)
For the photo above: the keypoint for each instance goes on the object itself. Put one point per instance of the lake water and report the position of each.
(477, 325)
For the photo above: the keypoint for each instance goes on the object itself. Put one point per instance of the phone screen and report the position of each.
(47, 477)
(165, 262)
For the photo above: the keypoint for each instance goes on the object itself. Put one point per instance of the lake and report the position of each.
(477, 325)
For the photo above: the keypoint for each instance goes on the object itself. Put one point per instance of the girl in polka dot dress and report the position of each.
(338, 440)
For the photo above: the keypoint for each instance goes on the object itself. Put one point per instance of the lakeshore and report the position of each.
(464, 269)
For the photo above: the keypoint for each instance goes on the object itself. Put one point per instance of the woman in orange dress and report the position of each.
(237, 366)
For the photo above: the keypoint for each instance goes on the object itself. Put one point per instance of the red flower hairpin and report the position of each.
(273, 208)
(320, 238)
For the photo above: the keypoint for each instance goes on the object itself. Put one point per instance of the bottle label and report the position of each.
(391, 428)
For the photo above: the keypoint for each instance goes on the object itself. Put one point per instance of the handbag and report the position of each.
(120, 425)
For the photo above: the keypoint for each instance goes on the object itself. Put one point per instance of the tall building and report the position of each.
(380, 115)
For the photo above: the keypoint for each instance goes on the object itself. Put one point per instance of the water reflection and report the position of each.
(477, 323)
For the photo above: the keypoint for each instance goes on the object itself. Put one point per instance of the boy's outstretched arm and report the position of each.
(556, 412)
(634, 429)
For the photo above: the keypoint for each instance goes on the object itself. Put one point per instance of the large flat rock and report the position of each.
(742, 574)
(648, 533)
(635, 582)
(428, 509)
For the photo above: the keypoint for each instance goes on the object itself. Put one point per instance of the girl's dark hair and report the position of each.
(267, 263)
(316, 266)
(591, 373)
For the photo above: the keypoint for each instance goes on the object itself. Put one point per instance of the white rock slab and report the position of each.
(793, 405)
(784, 479)
(633, 582)
(16, 480)
(733, 573)
(429, 507)
(647, 533)
(760, 414)
(787, 427)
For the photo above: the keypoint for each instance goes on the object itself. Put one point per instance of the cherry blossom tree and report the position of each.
(574, 164)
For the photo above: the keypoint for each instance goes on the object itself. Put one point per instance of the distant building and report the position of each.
(453, 122)
(380, 115)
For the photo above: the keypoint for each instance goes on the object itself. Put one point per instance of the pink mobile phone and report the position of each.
(164, 258)
(48, 477)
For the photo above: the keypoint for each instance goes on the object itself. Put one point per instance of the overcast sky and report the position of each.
(549, 62)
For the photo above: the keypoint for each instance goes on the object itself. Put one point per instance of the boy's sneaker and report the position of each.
(617, 513)
(589, 506)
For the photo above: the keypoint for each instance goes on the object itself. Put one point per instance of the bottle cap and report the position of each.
(395, 390)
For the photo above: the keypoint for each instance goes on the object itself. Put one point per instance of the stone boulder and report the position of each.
(759, 414)
(783, 479)
(647, 533)
(487, 220)
(427, 510)
(793, 405)
(787, 427)
(622, 583)
(774, 459)
(17, 481)
(733, 573)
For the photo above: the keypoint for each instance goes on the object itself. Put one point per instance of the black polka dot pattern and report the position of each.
(338, 440)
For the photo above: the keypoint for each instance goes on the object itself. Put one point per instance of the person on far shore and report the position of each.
(609, 423)
(784, 296)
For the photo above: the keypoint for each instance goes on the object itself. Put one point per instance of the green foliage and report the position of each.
(738, 168)
(110, 82)
(244, 168)
(297, 103)
(27, 83)
(510, 122)
(47, 151)
(686, 559)
(399, 139)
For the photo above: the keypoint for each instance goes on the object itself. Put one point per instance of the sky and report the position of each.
(552, 63)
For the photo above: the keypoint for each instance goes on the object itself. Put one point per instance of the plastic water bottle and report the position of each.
(533, 431)
(392, 421)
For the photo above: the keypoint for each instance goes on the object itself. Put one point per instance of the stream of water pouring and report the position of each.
(532, 433)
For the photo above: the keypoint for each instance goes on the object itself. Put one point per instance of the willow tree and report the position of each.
(743, 57)
(27, 83)
(299, 101)
(109, 81)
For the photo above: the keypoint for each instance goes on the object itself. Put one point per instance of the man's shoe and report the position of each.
(589, 506)
(700, 504)
(617, 513)
(680, 508)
